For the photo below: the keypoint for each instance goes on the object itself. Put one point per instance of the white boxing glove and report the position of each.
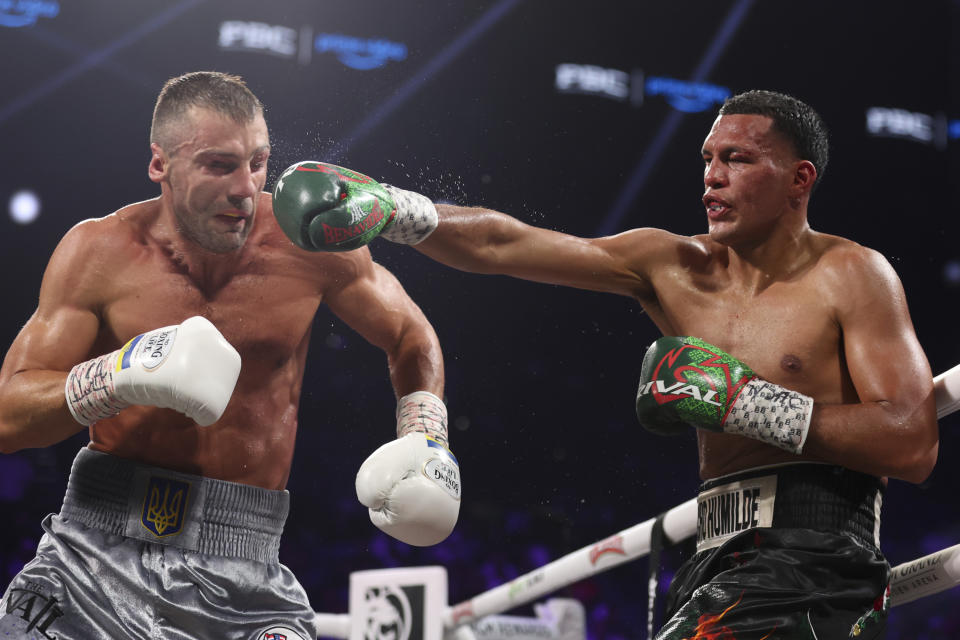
(412, 484)
(189, 367)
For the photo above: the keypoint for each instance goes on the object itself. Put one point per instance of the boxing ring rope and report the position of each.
(909, 581)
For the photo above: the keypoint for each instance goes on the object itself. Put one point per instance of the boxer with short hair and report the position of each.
(790, 351)
(176, 330)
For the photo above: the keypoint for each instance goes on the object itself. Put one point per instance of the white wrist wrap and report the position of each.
(423, 412)
(416, 217)
(769, 413)
(90, 390)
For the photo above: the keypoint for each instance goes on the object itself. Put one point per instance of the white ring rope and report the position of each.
(630, 544)
(909, 581)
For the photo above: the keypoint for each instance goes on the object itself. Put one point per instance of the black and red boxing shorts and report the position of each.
(785, 552)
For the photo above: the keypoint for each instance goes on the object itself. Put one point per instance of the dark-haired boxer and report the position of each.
(176, 329)
(842, 394)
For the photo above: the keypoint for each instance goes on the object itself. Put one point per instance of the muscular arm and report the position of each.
(892, 431)
(373, 303)
(60, 333)
(484, 241)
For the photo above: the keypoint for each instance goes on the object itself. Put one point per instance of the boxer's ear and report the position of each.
(804, 177)
(159, 163)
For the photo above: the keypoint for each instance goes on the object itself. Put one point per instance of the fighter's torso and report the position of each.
(787, 332)
(264, 306)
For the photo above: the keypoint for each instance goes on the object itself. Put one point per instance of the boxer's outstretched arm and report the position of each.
(892, 431)
(484, 241)
(60, 333)
(312, 195)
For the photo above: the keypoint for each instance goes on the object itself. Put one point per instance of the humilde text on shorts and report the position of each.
(728, 509)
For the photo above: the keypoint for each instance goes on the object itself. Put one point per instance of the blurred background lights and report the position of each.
(24, 206)
(951, 273)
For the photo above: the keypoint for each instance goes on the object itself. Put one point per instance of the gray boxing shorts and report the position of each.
(140, 552)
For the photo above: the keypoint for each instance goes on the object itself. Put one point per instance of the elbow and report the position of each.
(12, 428)
(918, 461)
(922, 466)
(11, 435)
(917, 443)
(8, 443)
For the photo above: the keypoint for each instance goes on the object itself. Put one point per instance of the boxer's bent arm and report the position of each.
(403, 501)
(374, 304)
(60, 333)
(483, 241)
(893, 430)
(33, 407)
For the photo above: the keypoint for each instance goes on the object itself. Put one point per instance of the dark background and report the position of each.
(540, 379)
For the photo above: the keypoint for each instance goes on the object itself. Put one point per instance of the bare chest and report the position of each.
(263, 314)
(787, 333)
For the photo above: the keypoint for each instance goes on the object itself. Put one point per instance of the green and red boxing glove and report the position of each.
(323, 207)
(686, 381)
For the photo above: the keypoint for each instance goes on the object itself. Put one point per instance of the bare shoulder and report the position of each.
(98, 242)
(851, 261)
(111, 233)
(649, 246)
(852, 274)
(93, 249)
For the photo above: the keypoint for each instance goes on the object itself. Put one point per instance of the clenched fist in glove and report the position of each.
(412, 484)
(323, 207)
(189, 367)
(686, 381)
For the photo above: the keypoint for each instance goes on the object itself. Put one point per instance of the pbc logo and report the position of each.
(39, 611)
(165, 506)
(613, 544)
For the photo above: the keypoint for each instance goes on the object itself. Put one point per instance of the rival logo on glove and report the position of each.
(678, 389)
(702, 362)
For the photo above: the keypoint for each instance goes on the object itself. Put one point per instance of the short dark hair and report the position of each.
(221, 92)
(797, 121)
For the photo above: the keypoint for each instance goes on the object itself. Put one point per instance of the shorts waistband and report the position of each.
(167, 507)
(814, 496)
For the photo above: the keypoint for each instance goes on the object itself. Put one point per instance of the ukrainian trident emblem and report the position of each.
(164, 506)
